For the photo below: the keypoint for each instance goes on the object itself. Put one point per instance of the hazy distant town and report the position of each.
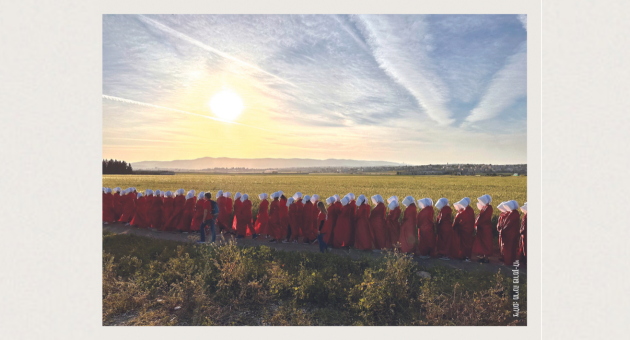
(431, 169)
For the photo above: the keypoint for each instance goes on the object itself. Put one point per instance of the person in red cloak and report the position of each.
(140, 219)
(118, 203)
(274, 219)
(198, 215)
(327, 228)
(343, 227)
(522, 246)
(188, 213)
(378, 225)
(225, 214)
(129, 208)
(352, 201)
(284, 217)
(237, 205)
(504, 212)
(483, 225)
(511, 234)
(220, 201)
(292, 217)
(464, 227)
(444, 228)
(108, 207)
(363, 236)
(392, 224)
(426, 235)
(297, 224)
(157, 211)
(167, 211)
(262, 218)
(244, 221)
(316, 211)
(307, 221)
(179, 201)
(408, 231)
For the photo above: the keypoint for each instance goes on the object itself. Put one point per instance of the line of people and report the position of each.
(339, 223)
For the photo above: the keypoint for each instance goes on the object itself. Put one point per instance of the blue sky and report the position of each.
(417, 89)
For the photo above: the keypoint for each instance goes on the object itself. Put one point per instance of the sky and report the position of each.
(413, 89)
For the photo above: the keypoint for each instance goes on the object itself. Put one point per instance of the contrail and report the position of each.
(129, 101)
(206, 47)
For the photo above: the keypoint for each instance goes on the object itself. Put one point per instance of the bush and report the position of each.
(153, 282)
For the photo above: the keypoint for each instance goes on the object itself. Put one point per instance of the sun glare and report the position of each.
(226, 105)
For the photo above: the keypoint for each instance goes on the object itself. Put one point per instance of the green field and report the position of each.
(452, 187)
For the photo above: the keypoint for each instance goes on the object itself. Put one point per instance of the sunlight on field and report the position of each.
(452, 187)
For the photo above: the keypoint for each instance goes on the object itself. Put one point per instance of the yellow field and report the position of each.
(452, 187)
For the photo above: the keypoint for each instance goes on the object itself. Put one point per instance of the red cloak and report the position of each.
(293, 214)
(500, 223)
(157, 213)
(225, 215)
(363, 236)
(167, 211)
(140, 217)
(353, 224)
(129, 209)
(378, 227)
(307, 222)
(408, 234)
(284, 217)
(483, 238)
(176, 215)
(108, 208)
(523, 242)
(244, 220)
(315, 224)
(328, 229)
(511, 235)
(237, 207)
(274, 220)
(187, 214)
(393, 228)
(297, 224)
(426, 235)
(464, 227)
(343, 227)
(262, 219)
(198, 216)
(118, 206)
(444, 226)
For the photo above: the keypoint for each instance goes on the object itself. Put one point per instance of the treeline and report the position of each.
(116, 167)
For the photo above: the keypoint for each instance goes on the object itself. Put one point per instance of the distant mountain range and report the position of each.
(255, 163)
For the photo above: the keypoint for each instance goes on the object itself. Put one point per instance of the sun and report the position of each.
(226, 105)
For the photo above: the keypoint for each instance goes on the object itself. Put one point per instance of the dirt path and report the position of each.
(494, 265)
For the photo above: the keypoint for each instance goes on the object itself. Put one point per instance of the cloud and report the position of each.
(395, 46)
(207, 48)
(507, 85)
(523, 19)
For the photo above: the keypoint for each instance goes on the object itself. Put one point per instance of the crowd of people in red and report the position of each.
(346, 222)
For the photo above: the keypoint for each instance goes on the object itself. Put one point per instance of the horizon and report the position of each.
(413, 89)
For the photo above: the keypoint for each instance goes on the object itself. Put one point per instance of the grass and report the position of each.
(159, 282)
(452, 187)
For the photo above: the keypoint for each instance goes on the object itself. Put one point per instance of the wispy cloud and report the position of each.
(208, 48)
(523, 19)
(507, 85)
(399, 51)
